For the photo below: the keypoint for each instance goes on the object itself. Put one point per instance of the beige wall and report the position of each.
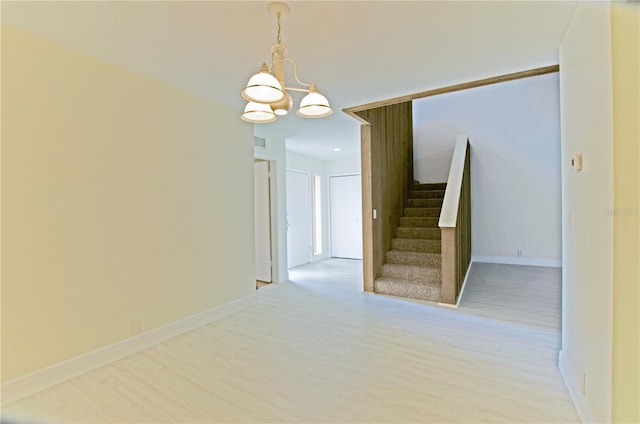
(625, 31)
(599, 68)
(122, 198)
(587, 128)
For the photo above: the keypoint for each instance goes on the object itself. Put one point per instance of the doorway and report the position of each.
(299, 218)
(262, 205)
(346, 216)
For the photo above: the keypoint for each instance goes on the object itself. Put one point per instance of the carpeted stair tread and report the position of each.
(416, 245)
(419, 233)
(419, 221)
(424, 203)
(422, 274)
(430, 186)
(414, 258)
(413, 268)
(410, 289)
(426, 194)
(418, 212)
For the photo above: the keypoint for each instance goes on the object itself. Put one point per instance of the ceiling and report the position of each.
(355, 51)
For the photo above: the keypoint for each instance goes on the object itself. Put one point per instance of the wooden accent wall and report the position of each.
(456, 241)
(463, 242)
(387, 175)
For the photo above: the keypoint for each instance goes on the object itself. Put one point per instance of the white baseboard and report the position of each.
(320, 257)
(464, 283)
(572, 381)
(510, 260)
(41, 379)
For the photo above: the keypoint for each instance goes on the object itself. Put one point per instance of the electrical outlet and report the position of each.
(519, 253)
(137, 326)
(583, 382)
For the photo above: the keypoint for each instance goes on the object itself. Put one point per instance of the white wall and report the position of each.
(315, 167)
(324, 169)
(344, 166)
(587, 128)
(514, 130)
(275, 152)
(119, 203)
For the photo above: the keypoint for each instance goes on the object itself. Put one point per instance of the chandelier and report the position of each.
(267, 92)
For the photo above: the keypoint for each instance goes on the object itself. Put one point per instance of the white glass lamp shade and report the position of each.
(263, 87)
(258, 113)
(314, 105)
(282, 107)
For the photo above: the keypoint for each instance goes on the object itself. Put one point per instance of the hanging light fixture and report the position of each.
(267, 92)
(259, 113)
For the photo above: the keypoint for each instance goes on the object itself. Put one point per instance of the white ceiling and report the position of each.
(355, 51)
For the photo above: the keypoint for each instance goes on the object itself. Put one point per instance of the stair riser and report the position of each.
(414, 258)
(425, 222)
(421, 212)
(415, 245)
(418, 274)
(425, 203)
(419, 233)
(396, 288)
(427, 194)
(413, 269)
(433, 186)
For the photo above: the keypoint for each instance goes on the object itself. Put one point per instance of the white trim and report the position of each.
(320, 257)
(262, 154)
(464, 283)
(38, 380)
(573, 385)
(510, 260)
(345, 174)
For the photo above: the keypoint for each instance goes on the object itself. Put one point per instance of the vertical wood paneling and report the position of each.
(464, 226)
(367, 214)
(387, 165)
(449, 255)
(456, 241)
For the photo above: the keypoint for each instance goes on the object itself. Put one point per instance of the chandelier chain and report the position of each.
(279, 27)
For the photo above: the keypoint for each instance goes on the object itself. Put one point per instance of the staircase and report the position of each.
(413, 266)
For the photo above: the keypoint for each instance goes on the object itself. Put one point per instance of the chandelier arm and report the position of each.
(295, 72)
(303, 90)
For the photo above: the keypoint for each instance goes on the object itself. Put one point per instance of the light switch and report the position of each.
(375, 214)
(576, 162)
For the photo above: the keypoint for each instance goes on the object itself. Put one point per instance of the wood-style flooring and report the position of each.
(317, 349)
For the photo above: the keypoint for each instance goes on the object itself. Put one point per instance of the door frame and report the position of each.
(274, 187)
(269, 219)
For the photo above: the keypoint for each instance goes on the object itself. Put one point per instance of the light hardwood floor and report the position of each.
(317, 349)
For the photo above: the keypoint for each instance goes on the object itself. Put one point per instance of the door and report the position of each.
(346, 216)
(262, 220)
(299, 218)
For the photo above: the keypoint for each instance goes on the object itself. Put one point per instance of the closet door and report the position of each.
(346, 216)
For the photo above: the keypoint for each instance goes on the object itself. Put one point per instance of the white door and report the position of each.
(299, 218)
(262, 220)
(346, 216)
